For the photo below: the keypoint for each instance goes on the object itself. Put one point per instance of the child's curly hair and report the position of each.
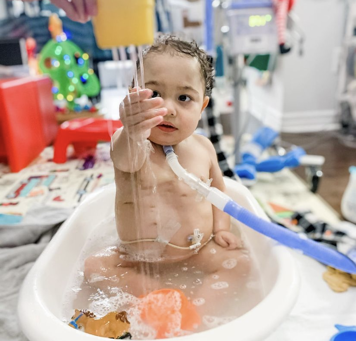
(178, 45)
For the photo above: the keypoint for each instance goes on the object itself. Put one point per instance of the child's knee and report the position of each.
(94, 271)
(244, 262)
(91, 265)
(98, 268)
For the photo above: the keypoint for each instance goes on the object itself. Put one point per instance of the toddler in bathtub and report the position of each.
(159, 219)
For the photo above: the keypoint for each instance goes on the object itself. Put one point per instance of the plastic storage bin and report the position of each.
(27, 119)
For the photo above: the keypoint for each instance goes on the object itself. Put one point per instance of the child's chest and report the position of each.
(156, 176)
(196, 162)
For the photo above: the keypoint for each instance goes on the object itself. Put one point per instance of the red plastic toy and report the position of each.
(83, 134)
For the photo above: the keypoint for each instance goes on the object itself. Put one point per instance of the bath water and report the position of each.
(224, 302)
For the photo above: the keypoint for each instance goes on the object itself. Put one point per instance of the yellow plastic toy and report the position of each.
(124, 23)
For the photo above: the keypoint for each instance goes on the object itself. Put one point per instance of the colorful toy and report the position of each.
(68, 67)
(165, 309)
(113, 325)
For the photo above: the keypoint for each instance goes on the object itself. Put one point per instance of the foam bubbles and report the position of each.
(198, 301)
(149, 256)
(94, 278)
(138, 329)
(220, 285)
(102, 305)
(212, 251)
(106, 252)
(76, 289)
(229, 263)
(215, 321)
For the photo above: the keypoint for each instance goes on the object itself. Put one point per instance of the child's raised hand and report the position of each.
(228, 240)
(139, 113)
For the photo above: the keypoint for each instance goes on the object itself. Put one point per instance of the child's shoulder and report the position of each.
(204, 142)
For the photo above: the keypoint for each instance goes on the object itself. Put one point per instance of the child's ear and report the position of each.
(205, 103)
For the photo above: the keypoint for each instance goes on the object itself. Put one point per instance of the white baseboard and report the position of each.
(310, 121)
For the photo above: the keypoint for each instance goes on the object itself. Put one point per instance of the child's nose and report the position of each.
(171, 109)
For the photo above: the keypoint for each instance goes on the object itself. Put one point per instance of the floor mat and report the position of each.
(48, 184)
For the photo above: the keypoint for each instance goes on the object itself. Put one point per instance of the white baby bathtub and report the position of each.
(40, 301)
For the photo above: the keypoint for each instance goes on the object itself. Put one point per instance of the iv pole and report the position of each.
(238, 64)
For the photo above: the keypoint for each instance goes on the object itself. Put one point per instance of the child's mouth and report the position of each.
(167, 127)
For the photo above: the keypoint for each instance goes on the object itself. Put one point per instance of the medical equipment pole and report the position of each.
(209, 28)
(238, 118)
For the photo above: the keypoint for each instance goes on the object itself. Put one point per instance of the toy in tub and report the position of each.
(40, 307)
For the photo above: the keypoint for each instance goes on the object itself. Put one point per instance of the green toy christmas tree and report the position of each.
(68, 67)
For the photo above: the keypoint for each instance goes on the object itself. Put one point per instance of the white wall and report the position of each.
(310, 81)
(307, 85)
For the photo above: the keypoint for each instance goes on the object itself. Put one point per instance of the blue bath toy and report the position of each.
(345, 333)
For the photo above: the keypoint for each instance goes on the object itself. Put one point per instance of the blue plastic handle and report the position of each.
(291, 239)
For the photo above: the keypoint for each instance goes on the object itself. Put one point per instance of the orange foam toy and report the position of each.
(161, 309)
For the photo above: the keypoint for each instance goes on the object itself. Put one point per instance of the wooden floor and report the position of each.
(338, 159)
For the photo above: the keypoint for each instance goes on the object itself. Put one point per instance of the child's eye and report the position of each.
(184, 98)
(155, 94)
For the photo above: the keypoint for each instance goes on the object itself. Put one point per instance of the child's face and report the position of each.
(177, 79)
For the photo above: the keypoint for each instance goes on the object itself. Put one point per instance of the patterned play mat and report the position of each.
(47, 184)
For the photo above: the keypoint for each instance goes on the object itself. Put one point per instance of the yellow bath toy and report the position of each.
(338, 280)
(113, 325)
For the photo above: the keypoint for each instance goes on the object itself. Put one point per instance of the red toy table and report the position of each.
(83, 134)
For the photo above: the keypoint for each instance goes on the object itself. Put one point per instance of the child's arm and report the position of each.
(139, 113)
(222, 234)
